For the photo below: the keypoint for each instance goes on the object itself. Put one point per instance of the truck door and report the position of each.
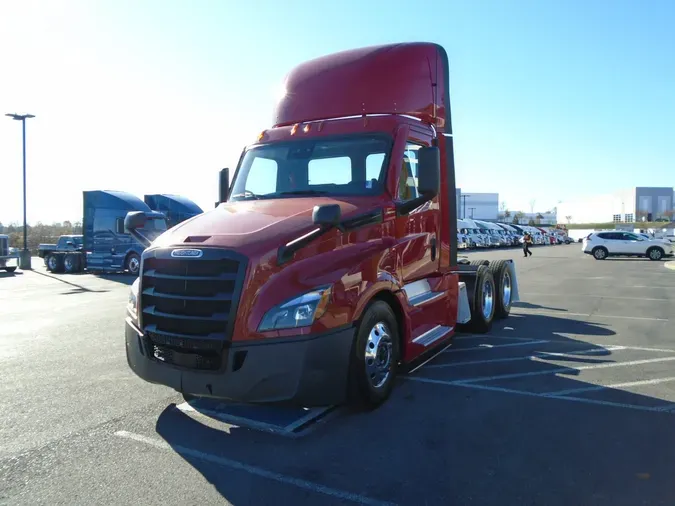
(417, 236)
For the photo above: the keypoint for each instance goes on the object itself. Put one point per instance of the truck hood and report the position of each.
(256, 226)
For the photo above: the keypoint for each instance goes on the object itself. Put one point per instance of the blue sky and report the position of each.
(551, 100)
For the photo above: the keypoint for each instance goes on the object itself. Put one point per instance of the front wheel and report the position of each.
(10, 269)
(375, 356)
(133, 264)
(655, 254)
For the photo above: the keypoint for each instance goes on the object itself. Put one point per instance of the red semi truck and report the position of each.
(330, 263)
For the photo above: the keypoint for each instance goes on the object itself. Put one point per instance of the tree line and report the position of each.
(39, 233)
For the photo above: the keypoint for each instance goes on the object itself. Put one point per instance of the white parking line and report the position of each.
(593, 388)
(542, 354)
(565, 370)
(263, 473)
(490, 336)
(565, 313)
(591, 296)
(664, 408)
(493, 346)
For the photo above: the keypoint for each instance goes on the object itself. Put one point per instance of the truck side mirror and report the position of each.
(135, 220)
(429, 171)
(223, 185)
(327, 215)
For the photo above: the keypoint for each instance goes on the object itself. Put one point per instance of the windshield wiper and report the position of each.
(303, 192)
(246, 194)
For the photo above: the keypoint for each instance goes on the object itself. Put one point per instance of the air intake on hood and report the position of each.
(197, 238)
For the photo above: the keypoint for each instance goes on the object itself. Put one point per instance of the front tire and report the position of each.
(10, 269)
(375, 356)
(655, 254)
(133, 264)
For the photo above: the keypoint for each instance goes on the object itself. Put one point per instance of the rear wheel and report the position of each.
(10, 269)
(375, 356)
(503, 286)
(72, 263)
(481, 292)
(600, 253)
(655, 253)
(54, 263)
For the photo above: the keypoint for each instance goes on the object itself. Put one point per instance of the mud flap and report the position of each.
(515, 296)
(463, 308)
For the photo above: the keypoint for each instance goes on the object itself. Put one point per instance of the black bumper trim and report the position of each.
(307, 371)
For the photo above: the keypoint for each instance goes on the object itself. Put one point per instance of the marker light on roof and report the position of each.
(306, 128)
(294, 129)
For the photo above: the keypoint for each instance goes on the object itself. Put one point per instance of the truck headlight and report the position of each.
(298, 312)
(132, 305)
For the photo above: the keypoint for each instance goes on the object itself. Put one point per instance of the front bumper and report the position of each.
(306, 371)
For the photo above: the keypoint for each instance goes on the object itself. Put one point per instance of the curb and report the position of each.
(670, 265)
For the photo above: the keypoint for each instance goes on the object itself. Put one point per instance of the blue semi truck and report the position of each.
(175, 208)
(104, 245)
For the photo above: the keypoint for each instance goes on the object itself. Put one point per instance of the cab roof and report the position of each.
(408, 78)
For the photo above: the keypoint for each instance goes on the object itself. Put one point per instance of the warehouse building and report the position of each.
(478, 206)
(624, 206)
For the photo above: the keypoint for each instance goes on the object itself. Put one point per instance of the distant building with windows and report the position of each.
(477, 206)
(639, 203)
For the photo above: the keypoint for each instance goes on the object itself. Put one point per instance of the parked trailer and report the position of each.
(175, 208)
(326, 268)
(105, 245)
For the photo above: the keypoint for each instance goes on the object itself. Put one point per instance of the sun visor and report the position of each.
(408, 78)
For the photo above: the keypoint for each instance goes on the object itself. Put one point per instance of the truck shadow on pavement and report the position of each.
(486, 425)
(75, 287)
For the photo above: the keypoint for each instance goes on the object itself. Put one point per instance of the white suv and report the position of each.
(618, 243)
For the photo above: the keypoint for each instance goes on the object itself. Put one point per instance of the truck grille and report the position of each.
(187, 306)
(4, 246)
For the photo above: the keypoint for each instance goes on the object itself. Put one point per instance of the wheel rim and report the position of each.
(655, 254)
(68, 263)
(600, 253)
(134, 264)
(506, 289)
(52, 263)
(379, 349)
(488, 299)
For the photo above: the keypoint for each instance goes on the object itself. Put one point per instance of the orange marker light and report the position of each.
(261, 136)
(294, 129)
(306, 128)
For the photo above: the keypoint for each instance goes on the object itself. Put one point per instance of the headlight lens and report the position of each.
(298, 312)
(133, 297)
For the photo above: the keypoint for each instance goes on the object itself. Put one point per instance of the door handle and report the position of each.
(433, 249)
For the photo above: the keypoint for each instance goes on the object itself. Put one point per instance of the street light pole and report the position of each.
(24, 259)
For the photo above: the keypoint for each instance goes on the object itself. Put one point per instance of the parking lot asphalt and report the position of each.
(571, 400)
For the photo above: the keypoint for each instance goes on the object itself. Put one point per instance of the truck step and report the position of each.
(283, 421)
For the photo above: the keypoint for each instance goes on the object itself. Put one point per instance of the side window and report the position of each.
(407, 183)
(337, 170)
(262, 176)
(119, 226)
(374, 166)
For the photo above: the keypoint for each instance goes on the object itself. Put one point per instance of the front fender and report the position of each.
(356, 272)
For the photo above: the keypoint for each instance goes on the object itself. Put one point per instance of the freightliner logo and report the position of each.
(190, 253)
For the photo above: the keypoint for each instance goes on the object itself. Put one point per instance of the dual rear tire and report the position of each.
(489, 293)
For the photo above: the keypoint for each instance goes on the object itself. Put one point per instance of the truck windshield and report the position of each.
(345, 166)
(153, 228)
